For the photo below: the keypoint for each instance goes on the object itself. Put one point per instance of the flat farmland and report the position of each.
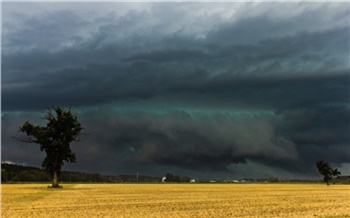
(176, 200)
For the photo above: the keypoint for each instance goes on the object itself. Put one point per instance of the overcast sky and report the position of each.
(207, 90)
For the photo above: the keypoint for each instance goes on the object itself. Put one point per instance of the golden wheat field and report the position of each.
(176, 200)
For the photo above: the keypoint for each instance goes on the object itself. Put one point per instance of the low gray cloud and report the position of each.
(178, 55)
(211, 142)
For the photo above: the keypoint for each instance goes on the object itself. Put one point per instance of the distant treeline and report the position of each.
(176, 178)
(18, 173)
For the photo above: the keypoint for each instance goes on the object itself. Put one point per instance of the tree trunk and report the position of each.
(55, 180)
(326, 180)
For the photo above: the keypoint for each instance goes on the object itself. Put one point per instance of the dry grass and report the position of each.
(176, 200)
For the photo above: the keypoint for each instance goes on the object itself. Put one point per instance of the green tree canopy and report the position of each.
(327, 171)
(55, 138)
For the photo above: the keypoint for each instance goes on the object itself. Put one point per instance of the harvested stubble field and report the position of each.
(176, 200)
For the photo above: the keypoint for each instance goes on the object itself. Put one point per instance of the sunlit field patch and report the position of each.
(176, 200)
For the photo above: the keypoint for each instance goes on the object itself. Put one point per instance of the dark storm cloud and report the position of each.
(209, 141)
(169, 55)
(269, 93)
(214, 141)
(299, 53)
(321, 133)
(189, 140)
(48, 31)
(190, 86)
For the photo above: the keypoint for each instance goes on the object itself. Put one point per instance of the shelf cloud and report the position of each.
(209, 89)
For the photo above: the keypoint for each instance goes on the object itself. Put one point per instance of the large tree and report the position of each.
(55, 138)
(327, 171)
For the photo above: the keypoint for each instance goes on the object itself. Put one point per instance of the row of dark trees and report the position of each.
(176, 178)
(25, 176)
(18, 173)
